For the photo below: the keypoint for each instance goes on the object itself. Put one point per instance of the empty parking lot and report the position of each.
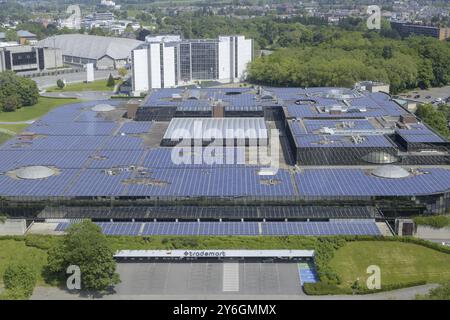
(208, 278)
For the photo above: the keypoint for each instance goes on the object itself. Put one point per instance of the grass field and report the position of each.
(4, 137)
(98, 85)
(12, 251)
(43, 106)
(399, 262)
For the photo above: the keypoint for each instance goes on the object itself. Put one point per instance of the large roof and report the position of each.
(94, 154)
(91, 47)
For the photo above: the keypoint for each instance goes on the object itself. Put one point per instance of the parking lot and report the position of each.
(428, 95)
(208, 278)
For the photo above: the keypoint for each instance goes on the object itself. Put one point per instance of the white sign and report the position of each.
(89, 72)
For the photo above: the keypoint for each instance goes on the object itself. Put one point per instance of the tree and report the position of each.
(387, 52)
(86, 247)
(60, 83)
(123, 72)
(20, 280)
(433, 117)
(111, 82)
(11, 103)
(25, 89)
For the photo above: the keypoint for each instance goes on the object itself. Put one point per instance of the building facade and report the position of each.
(169, 61)
(29, 58)
(407, 29)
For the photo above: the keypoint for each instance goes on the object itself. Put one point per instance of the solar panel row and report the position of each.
(235, 228)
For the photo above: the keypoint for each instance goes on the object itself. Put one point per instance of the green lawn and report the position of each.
(43, 106)
(399, 262)
(4, 137)
(12, 251)
(98, 85)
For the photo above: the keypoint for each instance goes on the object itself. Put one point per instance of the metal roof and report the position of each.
(91, 47)
(209, 128)
(214, 254)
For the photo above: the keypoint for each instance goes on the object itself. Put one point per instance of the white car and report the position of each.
(437, 100)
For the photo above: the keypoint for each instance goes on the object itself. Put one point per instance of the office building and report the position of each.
(169, 61)
(29, 58)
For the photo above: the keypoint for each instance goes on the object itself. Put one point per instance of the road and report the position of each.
(84, 95)
(51, 293)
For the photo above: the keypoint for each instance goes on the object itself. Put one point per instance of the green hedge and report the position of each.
(437, 221)
(321, 288)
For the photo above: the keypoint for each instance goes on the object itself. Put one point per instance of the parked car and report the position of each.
(428, 97)
(417, 96)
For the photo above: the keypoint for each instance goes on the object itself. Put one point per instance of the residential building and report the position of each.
(407, 29)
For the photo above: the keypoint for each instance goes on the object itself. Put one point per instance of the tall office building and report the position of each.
(169, 61)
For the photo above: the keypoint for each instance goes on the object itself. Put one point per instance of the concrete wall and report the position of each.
(53, 58)
(140, 70)
(13, 227)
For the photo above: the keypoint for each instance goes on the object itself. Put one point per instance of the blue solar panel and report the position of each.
(320, 228)
(235, 228)
(338, 141)
(358, 182)
(136, 127)
(74, 128)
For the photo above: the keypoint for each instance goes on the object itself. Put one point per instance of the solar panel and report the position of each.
(235, 228)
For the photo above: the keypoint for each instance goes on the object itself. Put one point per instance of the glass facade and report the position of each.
(204, 60)
(24, 58)
(185, 62)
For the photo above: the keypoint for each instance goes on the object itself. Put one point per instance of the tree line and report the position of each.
(346, 57)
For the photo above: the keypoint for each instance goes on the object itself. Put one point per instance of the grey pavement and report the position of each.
(84, 95)
(442, 92)
(211, 280)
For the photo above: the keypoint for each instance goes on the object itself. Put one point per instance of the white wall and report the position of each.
(224, 59)
(244, 56)
(140, 70)
(169, 67)
(155, 71)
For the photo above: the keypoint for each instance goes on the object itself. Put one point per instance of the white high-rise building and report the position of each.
(169, 61)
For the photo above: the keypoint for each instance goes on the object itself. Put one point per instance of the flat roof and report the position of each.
(214, 254)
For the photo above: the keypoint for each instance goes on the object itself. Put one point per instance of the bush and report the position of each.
(321, 288)
(60, 83)
(11, 103)
(433, 221)
(42, 242)
(20, 279)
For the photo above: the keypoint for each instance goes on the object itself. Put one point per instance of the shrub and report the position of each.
(433, 221)
(42, 242)
(11, 103)
(20, 279)
(60, 83)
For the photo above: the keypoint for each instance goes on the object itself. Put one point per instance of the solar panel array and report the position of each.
(358, 182)
(235, 228)
(99, 157)
(200, 212)
(338, 141)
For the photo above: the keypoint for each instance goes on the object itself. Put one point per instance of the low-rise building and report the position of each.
(29, 58)
(104, 52)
